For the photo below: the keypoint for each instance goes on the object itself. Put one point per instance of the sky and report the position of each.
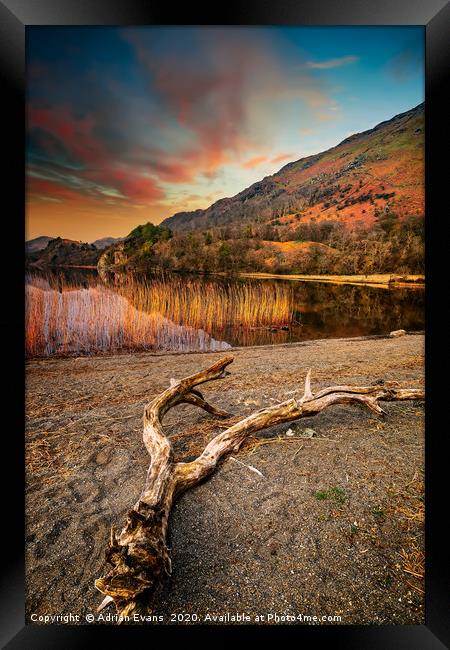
(131, 124)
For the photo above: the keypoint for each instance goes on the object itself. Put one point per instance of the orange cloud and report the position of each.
(218, 85)
(332, 63)
(282, 156)
(325, 117)
(206, 99)
(254, 162)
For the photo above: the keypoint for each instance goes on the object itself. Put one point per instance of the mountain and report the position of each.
(348, 183)
(105, 242)
(355, 208)
(65, 252)
(37, 244)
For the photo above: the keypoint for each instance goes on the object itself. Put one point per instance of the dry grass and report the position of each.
(98, 320)
(409, 502)
(167, 314)
(413, 561)
(408, 505)
(206, 304)
(39, 455)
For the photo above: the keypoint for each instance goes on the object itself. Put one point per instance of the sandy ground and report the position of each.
(334, 527)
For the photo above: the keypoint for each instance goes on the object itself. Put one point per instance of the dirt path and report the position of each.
(333, 527)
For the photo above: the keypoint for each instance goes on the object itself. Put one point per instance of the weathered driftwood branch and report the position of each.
(138, 554)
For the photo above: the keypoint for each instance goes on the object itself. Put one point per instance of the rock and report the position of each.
(103, 457)
(309, 433)
(397, 333)
(289, 433)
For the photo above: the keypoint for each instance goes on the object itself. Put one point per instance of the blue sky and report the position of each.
(127, 125)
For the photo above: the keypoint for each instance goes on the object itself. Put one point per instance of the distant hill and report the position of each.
(347, 184)
(106, 241)
(37, 244)
(65, 252)
(57, 251)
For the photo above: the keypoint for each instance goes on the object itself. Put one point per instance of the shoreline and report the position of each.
(86, 462)
(379, 280)
(170, 353)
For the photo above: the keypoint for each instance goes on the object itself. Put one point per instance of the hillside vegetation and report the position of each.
(64, 252)
(356, 208)
(346, 184)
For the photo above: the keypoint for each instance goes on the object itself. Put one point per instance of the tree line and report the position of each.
(391, 245)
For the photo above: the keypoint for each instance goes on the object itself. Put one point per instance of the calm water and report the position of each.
(339, 311)
(318, 310)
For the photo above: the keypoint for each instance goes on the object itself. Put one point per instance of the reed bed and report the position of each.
(159, 314)
(211, 305)
(87, 321)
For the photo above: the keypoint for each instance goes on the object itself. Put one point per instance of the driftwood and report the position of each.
(138, 554)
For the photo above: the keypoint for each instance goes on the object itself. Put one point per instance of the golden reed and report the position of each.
(155, 314)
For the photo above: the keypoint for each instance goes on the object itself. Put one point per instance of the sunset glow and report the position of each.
(129, 125)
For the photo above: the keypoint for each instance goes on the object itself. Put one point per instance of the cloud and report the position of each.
(282, 156)
(254, 162)
(325, 117)
(201, 84)
(329, 113)
(221, 88)
(64, 149)
(74, 134)
(187, 104)
(48, 199)
(331, 63)
(131, 184)
(70, 182)
(37, 186)
(44, 147)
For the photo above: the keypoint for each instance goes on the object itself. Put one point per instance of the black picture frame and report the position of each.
(15, 16)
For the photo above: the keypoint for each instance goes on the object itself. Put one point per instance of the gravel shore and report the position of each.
(330, 524)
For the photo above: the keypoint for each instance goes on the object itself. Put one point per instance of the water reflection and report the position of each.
(90, 318)
(179, 313)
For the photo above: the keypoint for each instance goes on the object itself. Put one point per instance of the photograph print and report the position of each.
(225, 284)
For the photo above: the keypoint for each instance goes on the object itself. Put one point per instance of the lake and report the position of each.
(74, 311)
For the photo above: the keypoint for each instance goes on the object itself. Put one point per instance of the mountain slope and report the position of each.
(37, 244)
(348, 183)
